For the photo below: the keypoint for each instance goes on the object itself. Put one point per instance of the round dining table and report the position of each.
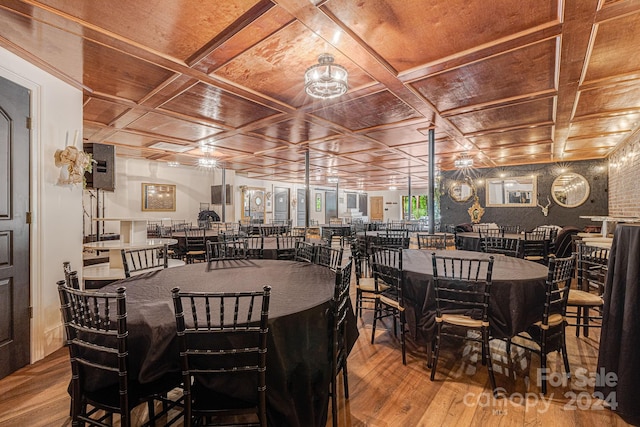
(517, 292)
(299, 340)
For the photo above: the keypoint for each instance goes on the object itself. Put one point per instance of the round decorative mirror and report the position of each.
(570, 190)
(258, 200)
(460, 191)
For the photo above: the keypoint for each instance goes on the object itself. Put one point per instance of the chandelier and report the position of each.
(206, 162)
(325, 79)
(463, 162)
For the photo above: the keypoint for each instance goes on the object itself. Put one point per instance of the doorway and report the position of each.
(330, 206)
(301, 211)
(14, 227)
(281, 204)
(377, 209)
(362, 204)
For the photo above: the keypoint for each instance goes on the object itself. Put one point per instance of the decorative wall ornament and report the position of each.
(476, 211)
(545, 209)
(77, 162)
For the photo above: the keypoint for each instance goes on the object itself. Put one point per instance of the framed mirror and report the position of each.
(253, 206)
(158, 197)
(570, 190)
(460, 191)
(513, 191)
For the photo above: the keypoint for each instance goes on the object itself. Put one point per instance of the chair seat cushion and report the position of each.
(554, 320)
(391, 302)
(460, 320)
(583, 298)
(368, 284)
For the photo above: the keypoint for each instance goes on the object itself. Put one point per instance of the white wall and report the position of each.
(392, 199)
(293, 188)
(193, 186)
(56, 231)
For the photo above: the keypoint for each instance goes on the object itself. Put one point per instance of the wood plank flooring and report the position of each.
(383, 392)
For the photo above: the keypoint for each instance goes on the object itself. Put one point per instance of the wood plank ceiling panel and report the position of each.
(505, 82)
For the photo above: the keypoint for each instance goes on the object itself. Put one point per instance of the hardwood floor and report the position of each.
(383, 392)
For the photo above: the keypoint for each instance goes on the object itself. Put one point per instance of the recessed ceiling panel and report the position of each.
(373, 110)
(604, 125)
(176, 29)
(117, 74)
(525, 113)
(295, 131)
(163, 124)
(514, 74)
(615, 50)
(403, 134)
(131, 138)
(105, 112)
(622, 98)
(514, 137)
(246, 144)
(212, 103)
(410, 33)
(345, 145)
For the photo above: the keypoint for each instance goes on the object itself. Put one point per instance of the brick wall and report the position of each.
(624, 179)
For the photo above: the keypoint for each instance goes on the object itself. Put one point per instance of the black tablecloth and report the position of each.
(470, 241)
(370, 238)
(619, 353)
(182, 240)
(517, 293)
(298, 357)
(338, 229)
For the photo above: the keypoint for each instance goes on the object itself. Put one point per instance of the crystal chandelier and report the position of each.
(206, 162)
(463, 162)
(325, 79)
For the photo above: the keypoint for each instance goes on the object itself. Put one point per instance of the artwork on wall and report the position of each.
(476, 211)
(158, 197)
(318, 202)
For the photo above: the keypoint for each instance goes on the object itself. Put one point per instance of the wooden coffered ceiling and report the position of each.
(506, 81)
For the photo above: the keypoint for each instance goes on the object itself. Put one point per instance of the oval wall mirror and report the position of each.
(460, 191)
(570, 190)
